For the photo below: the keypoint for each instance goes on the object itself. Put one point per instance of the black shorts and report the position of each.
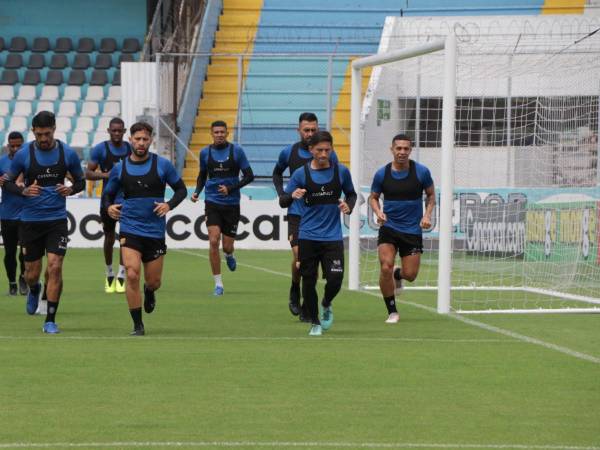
(108, 223)
(293, 221)
(330, 254)
(226, 217)
(10, 231)
(39, 238)
(150, 248)
(406, 244)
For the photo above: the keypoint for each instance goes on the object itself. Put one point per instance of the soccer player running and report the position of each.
(105, 155)
(10, 217)
(220, 166)
(44, 164)
(402, 183)
(320, 183)
(293, 157)
(142, 177)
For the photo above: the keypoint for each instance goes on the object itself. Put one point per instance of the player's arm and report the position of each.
(200, 180)
(350, 197)
(110, 193)
(91, 172)
(74, 168)
(429, 205)
(376, 207)
(280, 166)
(247, 176)
(17, 168)
(294, 189)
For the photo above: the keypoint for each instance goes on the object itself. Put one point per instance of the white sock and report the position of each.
(121, 273)
(218, 280)
(109, 271)
(227, 255)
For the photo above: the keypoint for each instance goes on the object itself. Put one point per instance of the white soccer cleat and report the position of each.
(393, 318)
(397, 282)
(42, 308)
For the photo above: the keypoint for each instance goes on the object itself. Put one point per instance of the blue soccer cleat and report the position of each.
(218, 291)
(50, 328)
(231, 262)
(315, 330)
(326, 318)
(32, 300)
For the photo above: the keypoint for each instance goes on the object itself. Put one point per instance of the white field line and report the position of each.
(468, 321)
(282, 444)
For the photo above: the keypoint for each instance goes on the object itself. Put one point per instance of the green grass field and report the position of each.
(241, 372)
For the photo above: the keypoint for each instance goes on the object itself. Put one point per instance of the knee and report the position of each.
(133, 275)
(334, 279)
(409, 276)
(54, 269)
(213, 241)
(387, 269)
(153, 284)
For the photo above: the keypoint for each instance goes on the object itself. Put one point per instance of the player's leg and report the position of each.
(33, 242)
(387, 256)
(231, 218)
(120, 286)
(332, 262)
(410, 247)
(10, 239)
(152, 258)
(308, 253)
(108, 226)
(56, 240)
(214, 238)
(22, 283)
(132, 258)
(294, 298)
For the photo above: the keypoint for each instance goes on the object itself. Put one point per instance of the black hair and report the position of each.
(44, 119)
(320, 136)
(402, 137)
(218, 123)
(15, 135)
(141, 126)
(116, 121)
(308, 116)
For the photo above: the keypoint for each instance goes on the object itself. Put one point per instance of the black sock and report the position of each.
(44, 295)
(398, 273)
(149, 294)
(390, 304)
(52, 307)
(136, 315)
(295, 286)
(35, 289)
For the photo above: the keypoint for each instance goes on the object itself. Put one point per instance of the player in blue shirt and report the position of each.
(104, 156)
(220, 166)
(402, 183)
(10, 219)
(320, 183)
(44, 164)
(142, 178)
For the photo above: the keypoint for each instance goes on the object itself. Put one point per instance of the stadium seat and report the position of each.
(85, 124)
(44, 106)
(1, 44)
(76, 78)
(13, 61)
(63, 124)
(7, 92)
(36, 61)
(108, 45)
(32, 77)
(103, 123)
(40, 45)
(99, 137)
(18, 44)
(67, 109)
(30, 136)
(9, 77)
(79, 139)
(61, 136)
(99, 78)
(63, 45)
(114, 93)
(26, 93)
(85, 45)
(58, 61)
(95, 93)
(54, 78)
(125, 57)
(18, 123)
(116, 81)
(90, 109)
(112, 109)
(81, 61)
(2, 123)
(72, 93)
(130, 45)
(49, 93)
(23, 109)
(103, 61)
(4, 108)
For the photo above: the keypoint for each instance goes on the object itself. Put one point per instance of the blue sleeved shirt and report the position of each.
(98, 156)
(403, 215)
(211, 192)
(137, 214)
(12, 204)
(320, 222)
(49, 205)
(283, 162)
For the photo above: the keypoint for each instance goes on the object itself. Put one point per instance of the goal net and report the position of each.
(526, 197)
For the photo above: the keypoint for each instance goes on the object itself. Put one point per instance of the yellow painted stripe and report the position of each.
(563, 7)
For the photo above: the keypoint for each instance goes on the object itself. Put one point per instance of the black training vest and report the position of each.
(226, 169)
(295, 160)
(142, 186)
(111, 159)
(408, 188)
(46, 175)
(322, 194)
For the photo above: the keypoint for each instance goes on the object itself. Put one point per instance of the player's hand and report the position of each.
(224, 190)
(344, 207)
(298, 193)
(194, 197)
(426, 222)
(3, 178)
(381, 217)
(114, 211)
(161, 209)
(63, 190)
(33, 190)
